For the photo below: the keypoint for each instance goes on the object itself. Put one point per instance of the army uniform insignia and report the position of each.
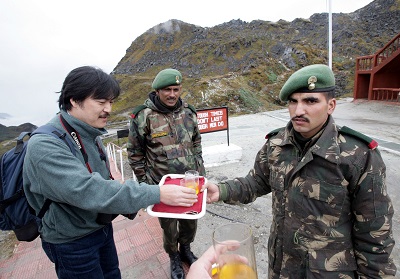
(177, 79)
(311, 82)
(159, 135)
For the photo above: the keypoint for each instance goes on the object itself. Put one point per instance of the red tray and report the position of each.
(180, 212)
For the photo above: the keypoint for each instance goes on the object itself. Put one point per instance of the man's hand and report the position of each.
(177, 195)
(201, 269)
(212, 192)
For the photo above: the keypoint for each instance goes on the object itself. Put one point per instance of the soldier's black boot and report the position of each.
(187, 255)
(177, 271)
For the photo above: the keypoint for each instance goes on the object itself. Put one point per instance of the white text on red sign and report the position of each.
(211, 120)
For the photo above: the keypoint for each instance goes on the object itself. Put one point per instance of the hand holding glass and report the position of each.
(191, 180)
(234, 248)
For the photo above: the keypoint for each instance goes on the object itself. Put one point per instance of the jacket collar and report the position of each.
(154, 103)
(84, 129)
(325, 143)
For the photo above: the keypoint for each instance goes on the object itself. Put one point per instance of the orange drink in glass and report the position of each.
(234, 247)
(191, 180)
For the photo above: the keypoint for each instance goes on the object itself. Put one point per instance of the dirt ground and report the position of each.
(7, 244)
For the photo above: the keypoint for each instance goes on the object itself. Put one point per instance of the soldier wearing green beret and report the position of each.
(164, 139)
(332, 215)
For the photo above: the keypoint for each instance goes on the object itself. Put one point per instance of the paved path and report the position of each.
(139, 246)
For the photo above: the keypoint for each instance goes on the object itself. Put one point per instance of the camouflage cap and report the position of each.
(166, 78)
(313, 78)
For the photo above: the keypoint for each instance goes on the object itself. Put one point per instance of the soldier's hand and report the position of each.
(177, 195)
(212, 192)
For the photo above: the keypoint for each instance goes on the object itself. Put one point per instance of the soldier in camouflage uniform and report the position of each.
(164, 138)
(332, 216)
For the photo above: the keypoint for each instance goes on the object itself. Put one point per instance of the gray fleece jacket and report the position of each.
(52, 171)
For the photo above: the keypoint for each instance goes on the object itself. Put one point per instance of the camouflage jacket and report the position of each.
(332, 216)
(160, 143)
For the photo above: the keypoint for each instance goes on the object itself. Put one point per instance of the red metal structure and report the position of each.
(378, 76)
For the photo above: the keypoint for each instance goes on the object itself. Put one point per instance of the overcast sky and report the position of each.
(41, 41)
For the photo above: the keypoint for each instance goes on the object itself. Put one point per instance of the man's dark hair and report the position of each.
(331, 94)
(87, 81)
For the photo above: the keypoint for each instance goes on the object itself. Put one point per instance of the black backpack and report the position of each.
(15, 212)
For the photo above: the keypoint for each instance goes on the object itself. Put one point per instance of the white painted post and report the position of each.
(330, 34)
(121, 163)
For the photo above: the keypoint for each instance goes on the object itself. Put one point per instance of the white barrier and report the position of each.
(115, 155)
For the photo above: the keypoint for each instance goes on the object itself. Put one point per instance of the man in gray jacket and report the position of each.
(76, 231)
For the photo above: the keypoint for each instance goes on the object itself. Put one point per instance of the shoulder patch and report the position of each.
(273, 133)
(137, 109)
(192, 108)
(372, 144)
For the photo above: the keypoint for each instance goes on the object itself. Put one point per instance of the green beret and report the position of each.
(166, 78)
(313, 78)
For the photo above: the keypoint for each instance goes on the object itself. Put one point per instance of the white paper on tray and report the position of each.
(193, 215)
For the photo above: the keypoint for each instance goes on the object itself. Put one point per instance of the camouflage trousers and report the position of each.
(176, 231)
(312, 274)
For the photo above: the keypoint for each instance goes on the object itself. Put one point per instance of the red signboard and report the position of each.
(212, 120)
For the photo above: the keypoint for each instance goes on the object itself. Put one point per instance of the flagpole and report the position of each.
(330, 35)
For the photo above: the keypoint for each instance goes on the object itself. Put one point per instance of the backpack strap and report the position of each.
(44, 208)
(19, 194)
(6, 202)
(45, 129)
(51, 130)
(20, 142)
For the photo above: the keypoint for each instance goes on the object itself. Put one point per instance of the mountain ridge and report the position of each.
(244, 64)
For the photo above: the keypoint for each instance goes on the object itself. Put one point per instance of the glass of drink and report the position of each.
(191, 180)
(234, 247)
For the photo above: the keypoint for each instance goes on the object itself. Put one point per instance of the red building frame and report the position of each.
(377, 76)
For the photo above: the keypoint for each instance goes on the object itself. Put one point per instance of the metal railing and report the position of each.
(367, 63)
(116, 155)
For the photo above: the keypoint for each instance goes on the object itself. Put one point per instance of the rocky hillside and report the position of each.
(244, 64)
(8, 134)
